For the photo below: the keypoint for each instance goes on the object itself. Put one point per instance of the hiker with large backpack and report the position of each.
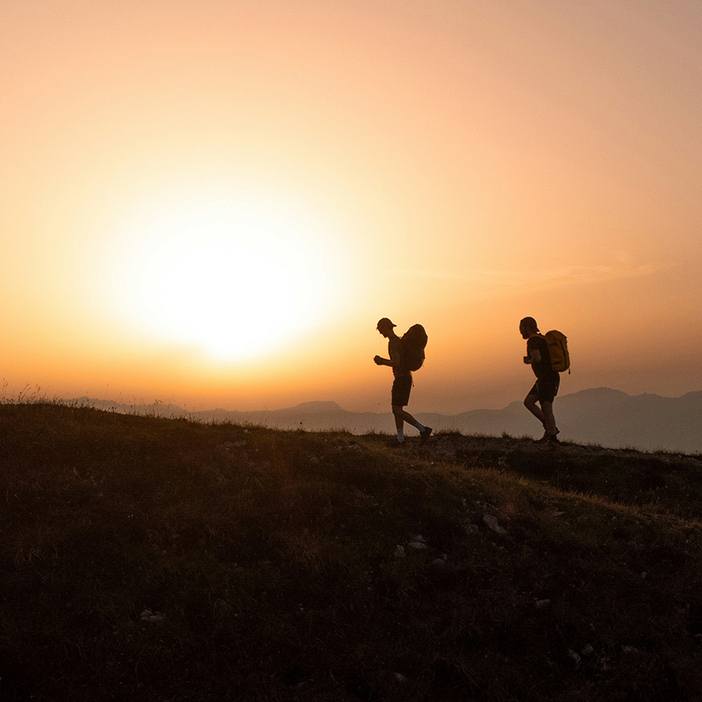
(406, 355)
(547, 355)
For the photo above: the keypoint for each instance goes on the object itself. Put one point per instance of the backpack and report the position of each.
(414, 340)
(558, 351)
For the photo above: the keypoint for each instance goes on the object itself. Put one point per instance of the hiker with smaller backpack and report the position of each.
(547, 355)
(406, 355)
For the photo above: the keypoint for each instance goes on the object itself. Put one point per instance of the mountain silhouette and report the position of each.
(598, 415)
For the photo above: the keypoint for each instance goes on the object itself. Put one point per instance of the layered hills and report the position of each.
(600, 415)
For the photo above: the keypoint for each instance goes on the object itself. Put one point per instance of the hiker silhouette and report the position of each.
(402, 381)
(545, 388)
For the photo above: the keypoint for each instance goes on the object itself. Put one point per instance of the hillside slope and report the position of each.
(149, 559)
(598, 415)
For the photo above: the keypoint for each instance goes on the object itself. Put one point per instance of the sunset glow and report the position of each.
(215, 202)
(233, 279)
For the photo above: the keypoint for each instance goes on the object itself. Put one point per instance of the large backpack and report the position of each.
(414, 341)
(558, 350)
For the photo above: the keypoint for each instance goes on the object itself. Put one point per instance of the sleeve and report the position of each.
(538, 342)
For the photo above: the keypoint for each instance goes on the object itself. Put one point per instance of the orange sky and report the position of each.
(213, 203)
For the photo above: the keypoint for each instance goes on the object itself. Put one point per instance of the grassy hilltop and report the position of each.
(146, 559)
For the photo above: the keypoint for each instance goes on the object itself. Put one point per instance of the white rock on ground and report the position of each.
(494, 524)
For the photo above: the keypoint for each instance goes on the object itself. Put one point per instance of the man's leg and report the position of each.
(549, 419)
(401, 389)
(548, 390)
(401, 416)
(530, 402)
(399, 423)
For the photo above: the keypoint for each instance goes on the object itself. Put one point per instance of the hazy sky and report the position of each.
(212, 203)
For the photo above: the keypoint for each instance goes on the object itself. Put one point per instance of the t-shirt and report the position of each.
(542, 369)
(395, 348)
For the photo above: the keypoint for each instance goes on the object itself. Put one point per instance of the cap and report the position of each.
(529, 322)
(385, 322)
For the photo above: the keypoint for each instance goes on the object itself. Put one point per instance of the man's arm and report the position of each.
(395, 359)
(533, 355)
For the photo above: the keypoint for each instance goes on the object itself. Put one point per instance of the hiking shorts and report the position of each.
(401, 387)
(546, 389)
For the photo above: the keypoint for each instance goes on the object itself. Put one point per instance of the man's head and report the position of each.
(385, 327)
(528, 327)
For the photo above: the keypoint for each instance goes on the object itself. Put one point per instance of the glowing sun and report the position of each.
(235, 279)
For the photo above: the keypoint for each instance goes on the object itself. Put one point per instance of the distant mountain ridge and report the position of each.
(598, 415)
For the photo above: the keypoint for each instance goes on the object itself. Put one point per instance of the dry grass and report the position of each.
(268, 563)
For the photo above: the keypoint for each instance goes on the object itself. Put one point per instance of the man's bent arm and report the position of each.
(533, 357)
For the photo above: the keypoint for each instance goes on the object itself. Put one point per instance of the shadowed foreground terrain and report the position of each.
(159, 559)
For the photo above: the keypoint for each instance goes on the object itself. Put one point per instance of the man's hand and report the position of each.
(527, 359)
(380, 361)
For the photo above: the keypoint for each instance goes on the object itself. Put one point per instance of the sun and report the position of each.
(233, 277)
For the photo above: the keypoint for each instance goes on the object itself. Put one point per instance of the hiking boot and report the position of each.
(546, 436)
(424, 435)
